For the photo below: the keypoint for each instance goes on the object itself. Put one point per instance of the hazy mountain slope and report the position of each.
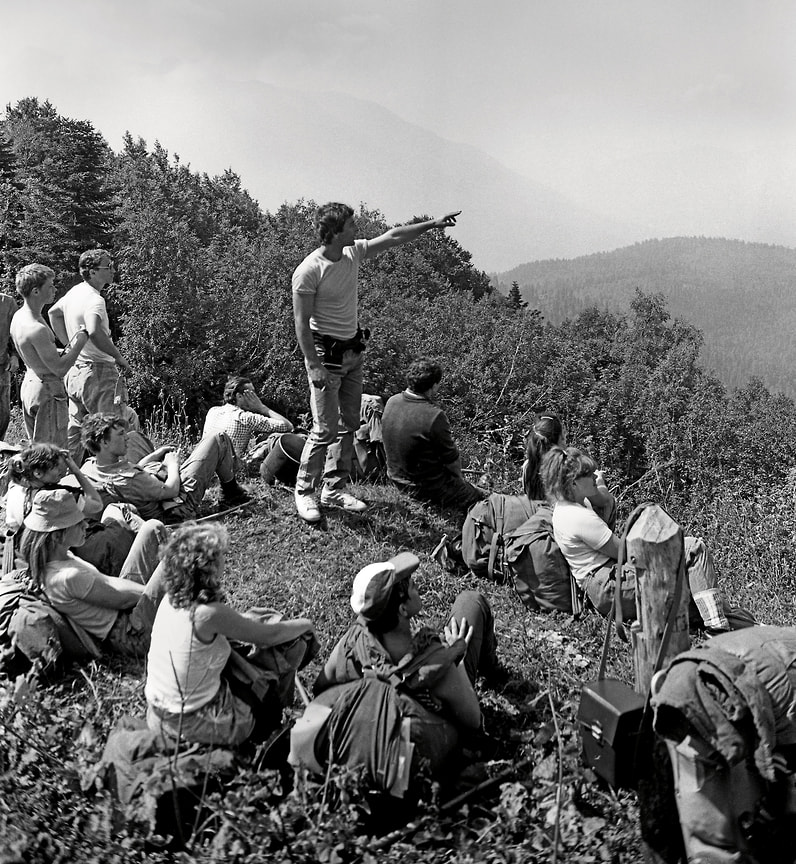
(359, 151)
(741, 295)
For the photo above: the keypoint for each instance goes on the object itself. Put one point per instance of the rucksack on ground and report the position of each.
(536, 566)
(485, 527)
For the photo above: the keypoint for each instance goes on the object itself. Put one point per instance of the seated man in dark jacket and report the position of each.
(421, 456)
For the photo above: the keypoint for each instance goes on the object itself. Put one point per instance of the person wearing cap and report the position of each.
(117, 611)
(158, 485)
(385, 599)
(187, 689)
(422, 457)
(244, 418)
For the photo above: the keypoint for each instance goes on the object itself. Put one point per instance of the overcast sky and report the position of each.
(605, 101)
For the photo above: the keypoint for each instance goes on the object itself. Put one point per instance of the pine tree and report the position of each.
(514, 297)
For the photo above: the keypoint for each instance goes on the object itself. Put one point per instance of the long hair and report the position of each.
(37, 548)
(191, 564)
(38, 457)
(560, 469)
(545, 433)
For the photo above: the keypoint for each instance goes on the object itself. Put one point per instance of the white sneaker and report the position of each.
(338, 498)
(307, 507)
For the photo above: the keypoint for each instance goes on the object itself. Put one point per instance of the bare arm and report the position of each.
(93, 504)
(156, 455)
(406, 233)
(232, 624)
(252, 402)
(171, 485)
(611, 547)
(56, 316)
(303, 305)
(59, 364)
(104, 342)
(110, 592)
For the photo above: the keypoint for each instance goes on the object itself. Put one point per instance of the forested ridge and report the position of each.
(741, 295)
(203, 290)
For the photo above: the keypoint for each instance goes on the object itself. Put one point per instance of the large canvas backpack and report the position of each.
(537, 567)
(485, 527)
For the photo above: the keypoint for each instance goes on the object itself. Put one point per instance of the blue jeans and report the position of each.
(329, 450)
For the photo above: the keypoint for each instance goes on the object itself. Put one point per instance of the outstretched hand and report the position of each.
(448, 220)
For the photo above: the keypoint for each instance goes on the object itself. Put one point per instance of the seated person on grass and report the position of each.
(117, 611)
(109, 533)
(591, 548)
(245, 419)
(438, 695)
(191, 687)
(422, 458)
(158, 485)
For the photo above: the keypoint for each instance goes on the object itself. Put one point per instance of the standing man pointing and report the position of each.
(328, 333)
(93, 384)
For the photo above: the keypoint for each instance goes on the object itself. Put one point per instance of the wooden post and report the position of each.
(654, 548)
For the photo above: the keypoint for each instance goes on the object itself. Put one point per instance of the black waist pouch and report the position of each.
(330, 350)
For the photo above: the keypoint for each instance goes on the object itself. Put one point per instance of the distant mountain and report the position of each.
(360, 152)
(741, 295)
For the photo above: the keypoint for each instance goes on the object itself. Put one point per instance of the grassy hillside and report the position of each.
(741, 295)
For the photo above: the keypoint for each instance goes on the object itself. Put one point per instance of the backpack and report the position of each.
(32, 629)
(537, 567)
(485, 527)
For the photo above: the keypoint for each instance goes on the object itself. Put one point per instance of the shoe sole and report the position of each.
(343, 507)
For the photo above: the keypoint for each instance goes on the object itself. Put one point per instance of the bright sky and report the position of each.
(629, 107)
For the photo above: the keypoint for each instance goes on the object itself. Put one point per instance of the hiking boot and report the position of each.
(338, 498)
(307, 507)
(233, 494)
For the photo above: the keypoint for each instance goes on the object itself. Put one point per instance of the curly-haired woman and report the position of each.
(188, 691)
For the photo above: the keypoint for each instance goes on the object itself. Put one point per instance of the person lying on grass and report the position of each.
(107, 542)
(117, 611)
(439, 695)
(158, 485)
(192, 689)
(591, 548)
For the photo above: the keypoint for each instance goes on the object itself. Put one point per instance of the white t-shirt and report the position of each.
(68, 585)
(334, 284)
(580, 532)
(79, 301)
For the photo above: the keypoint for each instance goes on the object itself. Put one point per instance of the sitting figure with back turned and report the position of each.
(158, 485)
(422, 458)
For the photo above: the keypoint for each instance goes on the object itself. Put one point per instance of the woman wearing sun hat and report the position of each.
(119, 611)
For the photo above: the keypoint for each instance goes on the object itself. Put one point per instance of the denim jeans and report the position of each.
(93, 387)
(44, 409)
(329, 450)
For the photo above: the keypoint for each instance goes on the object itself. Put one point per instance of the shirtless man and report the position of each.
(43, 395)
(94, 383)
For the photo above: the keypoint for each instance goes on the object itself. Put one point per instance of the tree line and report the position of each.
(203, 290)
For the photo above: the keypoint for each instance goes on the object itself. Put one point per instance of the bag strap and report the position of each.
(617, 611)
(497, 538)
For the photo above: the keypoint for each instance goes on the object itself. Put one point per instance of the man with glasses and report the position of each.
(94, 383)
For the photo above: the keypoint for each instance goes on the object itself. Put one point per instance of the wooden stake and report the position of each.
(654, 547)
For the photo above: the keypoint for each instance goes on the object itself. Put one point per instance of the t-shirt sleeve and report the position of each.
(447, 451)
(80, 579)
(306, 278)
(361, 248)
(95, 306)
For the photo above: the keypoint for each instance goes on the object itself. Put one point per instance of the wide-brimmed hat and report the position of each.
(52, 510)
(374, 582)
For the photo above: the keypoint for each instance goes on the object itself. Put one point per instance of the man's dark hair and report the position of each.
(330, 219)
(236, 384)
(423, 374)
(96, 428)
(91, 260)
(388, 620)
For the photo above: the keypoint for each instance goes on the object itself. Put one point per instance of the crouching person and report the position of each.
(117, 611)
(380, 671)
(198, 687)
